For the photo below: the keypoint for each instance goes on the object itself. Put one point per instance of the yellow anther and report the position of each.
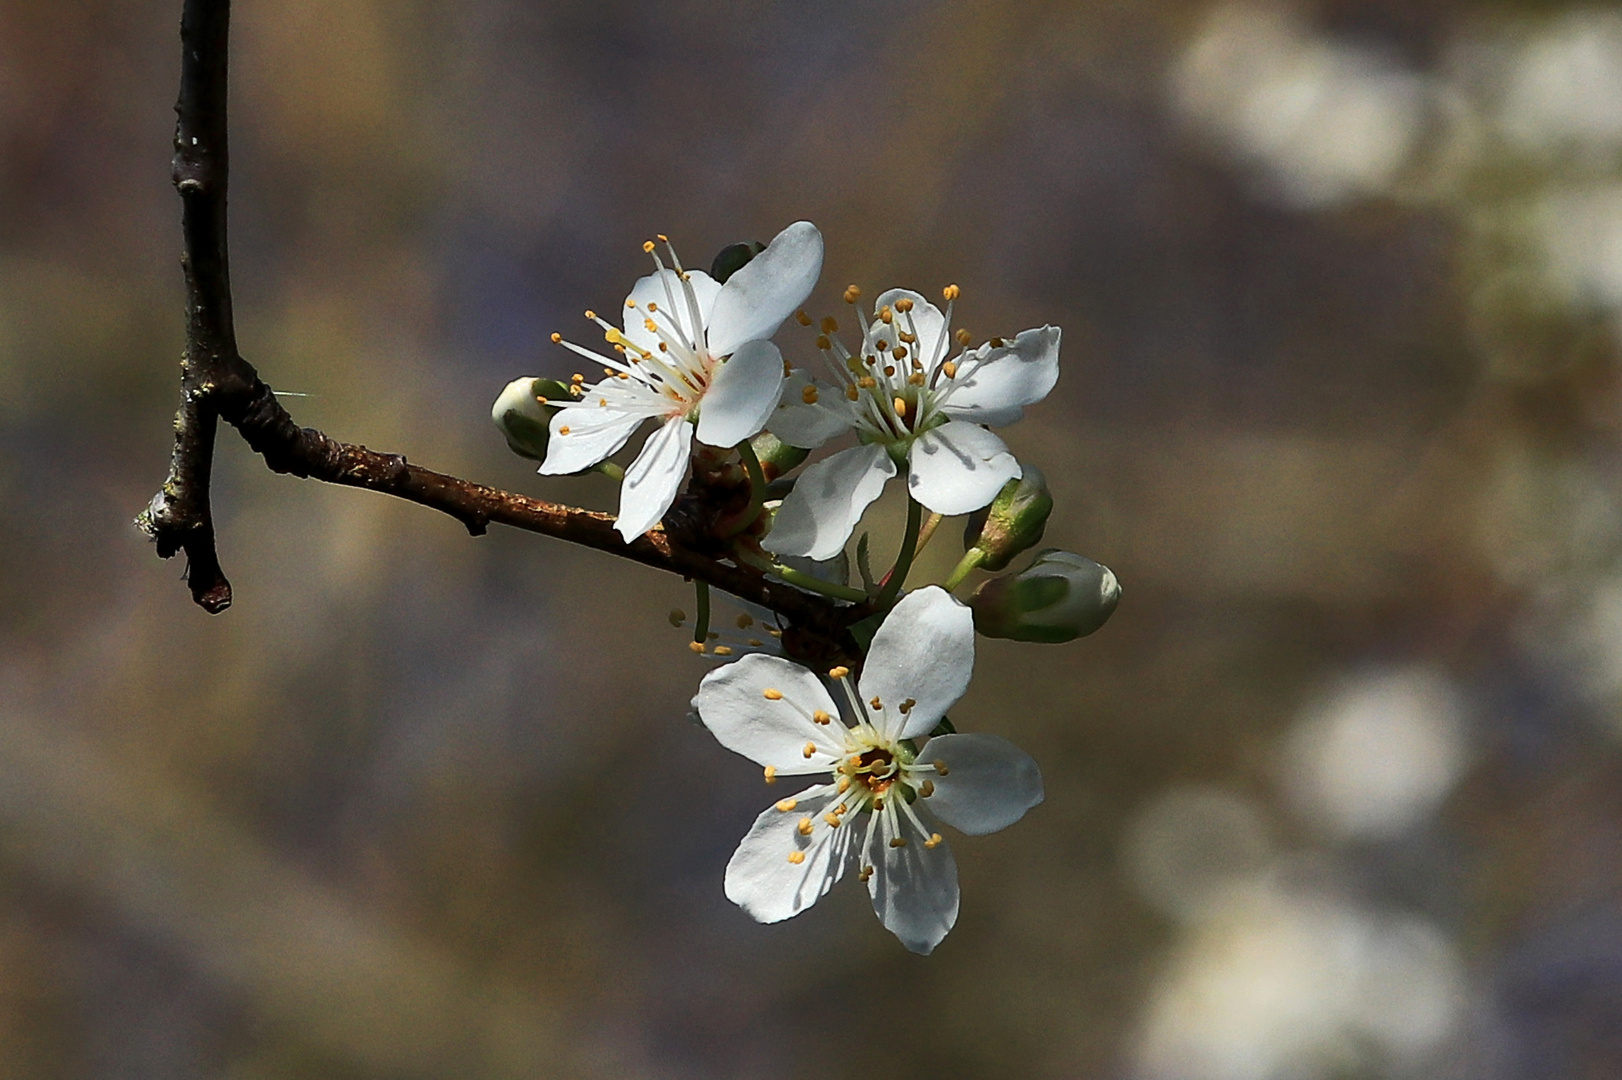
(774, 632)
(898, 841)
(927, 788)
(852, 294)
(653, 307)
(951, 292)
(677, 616)
(852, 393)
(876, 703)
(796, 857)
(904, 304)
(821, 717)
(889, 371)
(590, 314)
(887, 316)
(899, 352)
(650, 326)
(963, 337)
(878, 803)
(901, 408)
(557, 338)
(865, 873)
(786, 805)
(941, 769)
(723, 650)
(805, 826)
(906, 706)
(802, 318)
(602, 403)
(771, 774)
(882, 345)
(916, 379)
(844, 785)
(933, 841)
(696, 646)
(910, 339)
(542, 398)
(577, 377)
(950, 367)
(564, 430)
(831, 819)
(809, 395)
(575, 390)
(771, 694)
(838, 672)
(630, 303)
(823, 343)
(867, 382)
(830, 325)
(745, 621)
(997, 343)
(809, 749)
(647, 247)
(756, 642)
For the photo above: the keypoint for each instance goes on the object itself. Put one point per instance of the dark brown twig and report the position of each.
(217, 383)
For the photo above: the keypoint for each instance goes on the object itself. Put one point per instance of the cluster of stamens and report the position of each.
(896, 391)
(875, 774)
(750, 636)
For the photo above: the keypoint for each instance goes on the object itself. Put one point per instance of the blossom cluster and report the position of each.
(693, 352)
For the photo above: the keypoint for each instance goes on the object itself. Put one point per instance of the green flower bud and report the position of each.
(776, 456)
(522, 414)
(1014, 522)
(732, 258)
(1061, 596)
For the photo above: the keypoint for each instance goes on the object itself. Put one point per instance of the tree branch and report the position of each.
(217, 383)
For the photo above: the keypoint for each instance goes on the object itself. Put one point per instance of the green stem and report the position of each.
(971, 559)
(610, 470)
(757, 490)
(928, 532)
(903, 560)
(804, 581)
(701, 621)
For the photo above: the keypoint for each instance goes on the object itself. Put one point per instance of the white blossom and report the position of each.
(693, 354)
(882, 795)
(909, 403)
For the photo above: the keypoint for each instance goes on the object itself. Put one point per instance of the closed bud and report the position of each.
(1061, 596)
(1014, 522)
(523, 412)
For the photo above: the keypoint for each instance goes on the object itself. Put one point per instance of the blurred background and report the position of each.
(1337, 794)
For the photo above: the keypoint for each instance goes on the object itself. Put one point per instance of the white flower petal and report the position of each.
(808, 426)
(914, 889)
(761, 880)
(594, 434)
(993, 386)
(658, 289)
(651, 483)
(959, 467)
(827, 501)
(989, 783)
(742, 396)
(928, 320)
(733, 704)
(768, 289)
(924, 651)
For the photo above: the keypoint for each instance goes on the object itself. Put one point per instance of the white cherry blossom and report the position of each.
(882, 795)
(693, 355)
(910, 403)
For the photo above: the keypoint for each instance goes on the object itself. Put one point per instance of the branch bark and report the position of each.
(217, 383)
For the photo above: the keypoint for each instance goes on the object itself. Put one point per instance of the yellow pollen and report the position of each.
(662, 348)
(916, 379)
(575, 390)
(997, 343)
(844, 784)
(745, 621)
(557, 338)
(867, 872)
(796, 857)
(904, 304)
(696, 646)
(802, 318)
(876, 703)
(951, 292)
(820, 717)
(677, 616)
(756, 642)
(602, 403)
(898, 841)
(810, 748)
(774, 632)
(910, 339)
(899, 352)
(852, 294)
(723, 650)
(651, 326)
(830, 325)
(771, 774)
(867, 382)
(963, 336)
(631, 304)
(831, 819)
(933, 841)
(663, 239)
(941, 769)
(771, 694)
(927, 788)
(647, 247)
(887, 315)
(577, 377)
(809, 395)
(882, 345)
(804, 827)
(878, 803)
(590, 314)
(852, 393)
(542, 398)
(889, 371)
(653, 307)
(838, 672)
(823, 343)
(950, 367)
(906, 706)
(786, 805)
(564, 430)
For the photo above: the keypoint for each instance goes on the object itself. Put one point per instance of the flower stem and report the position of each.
(803, 580)
(903, 560)
(970, 560)
(757, 490)
(701, 621)
(928, 532)
(610, 470)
